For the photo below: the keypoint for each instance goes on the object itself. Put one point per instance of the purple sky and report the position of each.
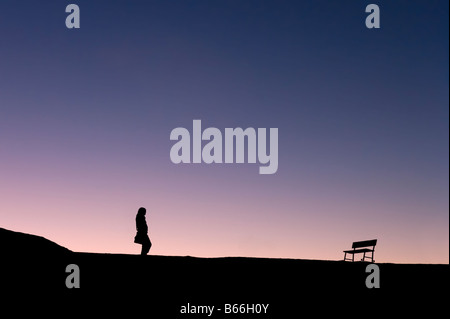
(363, 120)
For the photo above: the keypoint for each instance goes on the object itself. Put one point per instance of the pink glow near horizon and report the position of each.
(280, 226)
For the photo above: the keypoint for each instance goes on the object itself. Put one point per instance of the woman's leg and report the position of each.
(146, 244)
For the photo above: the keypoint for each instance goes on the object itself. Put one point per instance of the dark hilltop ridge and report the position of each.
(33, 265)
(17, 244)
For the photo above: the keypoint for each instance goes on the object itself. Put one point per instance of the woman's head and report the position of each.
(142, 211)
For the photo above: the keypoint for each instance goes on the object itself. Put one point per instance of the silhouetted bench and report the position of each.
(361, 244)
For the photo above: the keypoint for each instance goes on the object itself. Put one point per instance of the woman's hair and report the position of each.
(141, 211)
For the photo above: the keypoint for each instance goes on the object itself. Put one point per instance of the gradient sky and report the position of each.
(363, 120)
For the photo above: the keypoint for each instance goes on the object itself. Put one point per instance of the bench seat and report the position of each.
(364, 250)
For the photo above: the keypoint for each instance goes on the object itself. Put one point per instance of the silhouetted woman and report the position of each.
(142, 230)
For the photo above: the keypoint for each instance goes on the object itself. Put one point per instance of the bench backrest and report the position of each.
(365, 243)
